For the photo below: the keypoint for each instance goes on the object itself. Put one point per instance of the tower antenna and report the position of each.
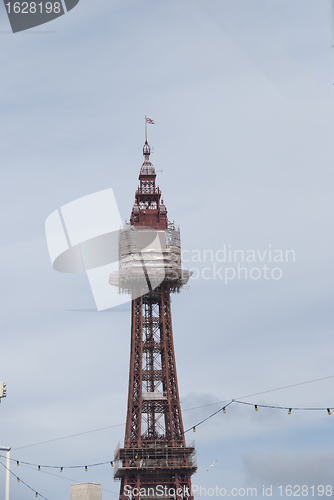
(145, 128)
(147, 120)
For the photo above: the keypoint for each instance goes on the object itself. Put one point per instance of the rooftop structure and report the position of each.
(86, 491)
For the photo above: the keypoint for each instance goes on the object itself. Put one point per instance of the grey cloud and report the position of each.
(294, 467)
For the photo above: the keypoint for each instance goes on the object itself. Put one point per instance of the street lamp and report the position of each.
(7, 450)
(3, 390)
(3, 394)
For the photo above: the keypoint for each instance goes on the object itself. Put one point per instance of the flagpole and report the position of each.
(145, 129)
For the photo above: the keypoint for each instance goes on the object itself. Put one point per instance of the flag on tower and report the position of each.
(149, 120)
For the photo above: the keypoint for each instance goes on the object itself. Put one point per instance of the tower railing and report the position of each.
(155, 456)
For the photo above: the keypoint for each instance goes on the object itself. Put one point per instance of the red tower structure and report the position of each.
(155, 461)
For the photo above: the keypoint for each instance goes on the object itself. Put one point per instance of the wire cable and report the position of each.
(290, 408)
(260, 393)
(282, 407)
(25, 484)
(39, 466)
(63, 477)
(207, 418)
(187, 409)
(67, 437)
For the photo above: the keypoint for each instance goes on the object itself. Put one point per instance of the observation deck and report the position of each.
(154, 458)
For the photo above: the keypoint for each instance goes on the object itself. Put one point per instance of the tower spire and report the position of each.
(147, 120)
(147, 152)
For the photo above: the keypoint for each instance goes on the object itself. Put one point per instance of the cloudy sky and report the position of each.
(242, 96)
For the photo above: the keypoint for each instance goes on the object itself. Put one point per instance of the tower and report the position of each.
(155, 461)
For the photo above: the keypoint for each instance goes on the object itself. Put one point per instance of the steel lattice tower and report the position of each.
(155, 455)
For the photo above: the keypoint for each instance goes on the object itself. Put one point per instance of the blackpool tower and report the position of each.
(154, 461)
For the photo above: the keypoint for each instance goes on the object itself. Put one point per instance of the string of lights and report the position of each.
(66, 478)
(283, 407)
(183, 410)
(25, 484)
(263, 392)
(39, 467)
(223, 409)
(210, 416)
(256, 407)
